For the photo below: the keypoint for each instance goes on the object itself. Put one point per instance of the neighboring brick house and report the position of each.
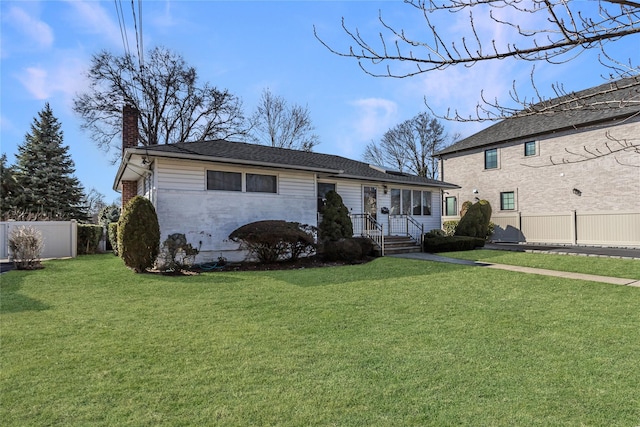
(551, 178)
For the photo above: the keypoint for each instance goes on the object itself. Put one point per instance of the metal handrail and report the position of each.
(367, 226)
(415, 230)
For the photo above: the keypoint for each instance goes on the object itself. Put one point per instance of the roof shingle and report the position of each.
(623, 93)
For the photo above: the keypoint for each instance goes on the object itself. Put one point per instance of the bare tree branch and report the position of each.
(173, 106)
(562, 30)
(277, 124)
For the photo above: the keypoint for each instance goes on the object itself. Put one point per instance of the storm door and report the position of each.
(370, 199)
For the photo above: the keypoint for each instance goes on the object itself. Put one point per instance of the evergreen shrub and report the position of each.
(89, 236)
(112, 231)
(138, 234)
(451, 243)
(275, 240)
(336, 223)
(349, 250)
(475, 223)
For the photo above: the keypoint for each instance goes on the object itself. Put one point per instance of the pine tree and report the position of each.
(44, 170)
(9, 188)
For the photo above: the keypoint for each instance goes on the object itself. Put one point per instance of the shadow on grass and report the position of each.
(11, 300)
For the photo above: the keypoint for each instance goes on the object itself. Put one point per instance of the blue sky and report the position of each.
(246, 47)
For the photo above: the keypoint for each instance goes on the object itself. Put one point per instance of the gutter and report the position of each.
(186, 156)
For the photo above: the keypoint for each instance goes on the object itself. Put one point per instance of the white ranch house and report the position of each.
(208, 189)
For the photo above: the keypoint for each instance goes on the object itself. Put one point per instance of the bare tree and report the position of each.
(562, 30)
(277, 124)
(173, 106)
(410, 146)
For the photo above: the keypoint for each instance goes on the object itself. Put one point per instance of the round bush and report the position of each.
(475, 223)
(138, 234)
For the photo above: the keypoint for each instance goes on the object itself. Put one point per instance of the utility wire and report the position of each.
(138, 34)
(123, 27)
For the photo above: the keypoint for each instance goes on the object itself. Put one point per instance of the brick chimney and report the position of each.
(130, 138)
(130, 133)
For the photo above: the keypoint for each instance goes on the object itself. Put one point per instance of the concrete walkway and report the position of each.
(529, 270)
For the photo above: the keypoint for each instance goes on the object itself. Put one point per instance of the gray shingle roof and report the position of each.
(624, 94)
(252, 154)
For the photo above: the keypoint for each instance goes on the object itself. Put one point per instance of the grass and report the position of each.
(613, 267)
(393, 342)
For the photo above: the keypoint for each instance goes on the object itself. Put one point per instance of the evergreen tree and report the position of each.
(44, 170)
(9, 188)
(336, 223)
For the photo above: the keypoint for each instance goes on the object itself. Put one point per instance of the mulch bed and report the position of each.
(302, 263)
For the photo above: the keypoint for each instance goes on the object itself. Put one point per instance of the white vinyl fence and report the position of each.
(620, 229)
(60, 237)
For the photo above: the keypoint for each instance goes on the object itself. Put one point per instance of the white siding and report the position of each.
(181, 175)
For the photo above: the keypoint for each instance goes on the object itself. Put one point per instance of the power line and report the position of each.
(138, 34)
(123, 27)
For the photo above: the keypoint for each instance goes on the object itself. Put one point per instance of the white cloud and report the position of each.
(374, 116)
(94, 19)
(66, 78)
(35, 30)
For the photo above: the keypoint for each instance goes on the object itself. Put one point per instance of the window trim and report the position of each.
(535, 148)
(502, 201)
(224, 172)
(403, 210)
(243, 181)
(486, 166)
(246, 182)
(455, 206)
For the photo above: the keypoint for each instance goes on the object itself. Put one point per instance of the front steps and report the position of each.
(400, 245)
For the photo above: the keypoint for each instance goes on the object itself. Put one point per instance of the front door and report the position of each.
(370, 199)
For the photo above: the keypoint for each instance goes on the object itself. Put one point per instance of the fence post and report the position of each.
(574, 227)
(73, 234)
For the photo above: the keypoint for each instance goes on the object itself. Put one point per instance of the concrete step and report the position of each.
(400, 245)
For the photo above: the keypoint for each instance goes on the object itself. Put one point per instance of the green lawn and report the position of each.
(395, 342)
(614, 267)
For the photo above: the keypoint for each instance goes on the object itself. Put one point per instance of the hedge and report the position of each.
(89, 236)
(451, 243)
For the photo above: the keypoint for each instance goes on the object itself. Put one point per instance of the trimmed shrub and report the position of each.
(465, 207)
(342, 250)
(26, 245)
(275, 240)
(138, 234)
(475, 223)
(336, 223)
(451, 243)
(450, 227)
(368, 248)
(112, 231)
(89, 236)
(436, 232)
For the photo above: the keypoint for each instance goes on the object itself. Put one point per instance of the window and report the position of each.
(410, 202)
(450, 206)
(507, 201)
(227, 181)
(323, 189)
(530, 148)
(406, 202)
(491, 158)
(261, 183)
(395, 201)
(426, 203)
